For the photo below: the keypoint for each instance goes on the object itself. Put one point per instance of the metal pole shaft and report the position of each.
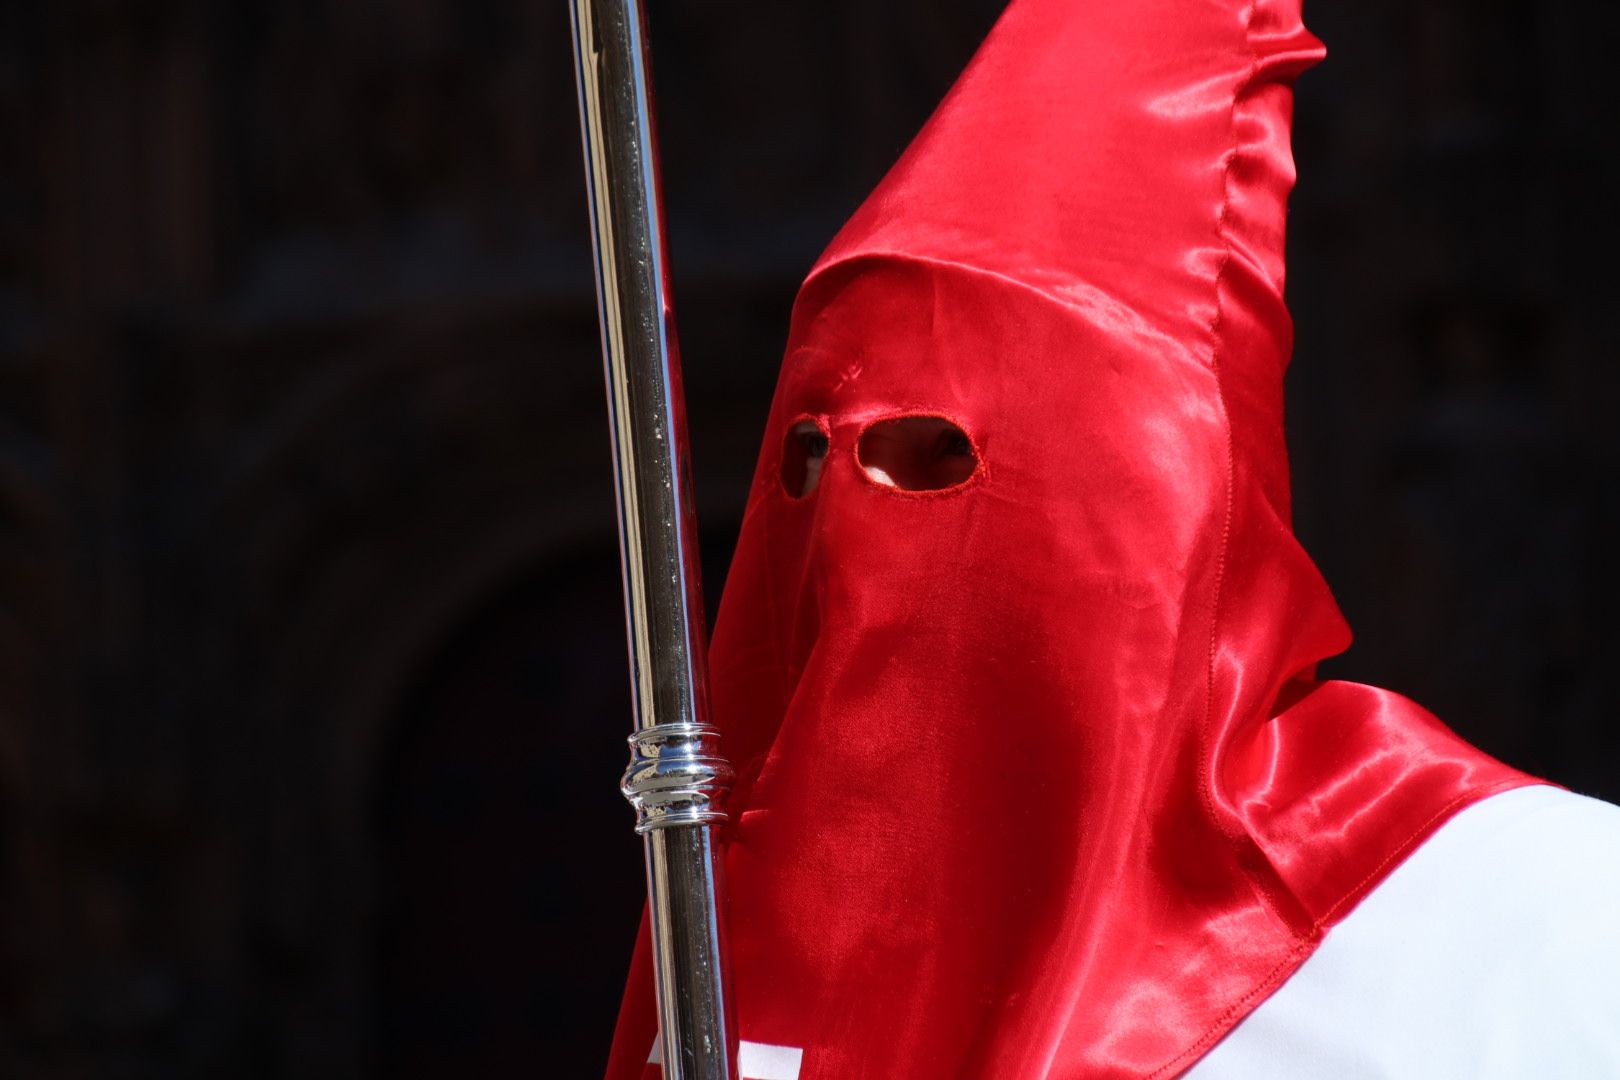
(676, 780)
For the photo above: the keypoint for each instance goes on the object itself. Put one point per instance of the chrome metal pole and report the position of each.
(677, 779)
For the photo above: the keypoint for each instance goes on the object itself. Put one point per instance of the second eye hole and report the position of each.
(917, 453)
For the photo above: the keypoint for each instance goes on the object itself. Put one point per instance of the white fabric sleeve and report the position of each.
(1492, 952)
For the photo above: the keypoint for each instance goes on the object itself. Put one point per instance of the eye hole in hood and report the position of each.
(803, 454)
(917, 453)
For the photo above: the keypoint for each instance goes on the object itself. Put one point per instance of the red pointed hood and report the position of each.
(1035, 777)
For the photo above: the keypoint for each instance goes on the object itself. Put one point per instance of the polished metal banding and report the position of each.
(676, 777)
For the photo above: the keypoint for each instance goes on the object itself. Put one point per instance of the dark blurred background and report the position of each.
(311, 660)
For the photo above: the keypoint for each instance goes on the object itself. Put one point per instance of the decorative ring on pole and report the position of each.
(676, 777)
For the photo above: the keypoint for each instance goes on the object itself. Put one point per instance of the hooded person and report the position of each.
(1016, 655)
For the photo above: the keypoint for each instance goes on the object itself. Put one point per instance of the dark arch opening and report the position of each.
(511, 879)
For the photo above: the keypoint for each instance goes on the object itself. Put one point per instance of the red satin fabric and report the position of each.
(1035, 777)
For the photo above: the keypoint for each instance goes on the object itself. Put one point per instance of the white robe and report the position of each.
(1493, 952)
